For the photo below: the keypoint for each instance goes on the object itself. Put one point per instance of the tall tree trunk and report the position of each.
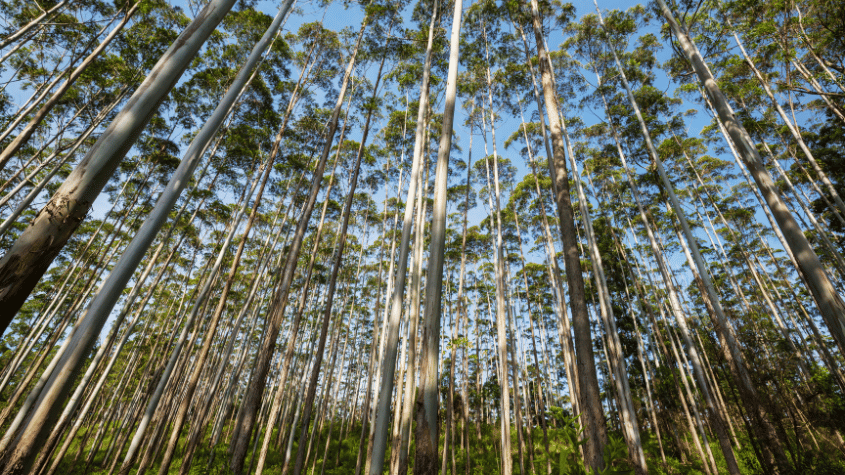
(315, 371)
(32, 253)
(830, 303)
(426, 435)
(588, 391)
(381, 426)
(258, 380)
(409, 406)
(494, 199)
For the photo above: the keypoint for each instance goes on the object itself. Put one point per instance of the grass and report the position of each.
(484, 457)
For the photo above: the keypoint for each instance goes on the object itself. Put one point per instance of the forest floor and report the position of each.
(484, 457)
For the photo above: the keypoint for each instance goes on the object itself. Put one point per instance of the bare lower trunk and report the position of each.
(425, 462)
(588, 391)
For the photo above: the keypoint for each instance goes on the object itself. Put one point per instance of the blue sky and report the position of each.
(336, 17)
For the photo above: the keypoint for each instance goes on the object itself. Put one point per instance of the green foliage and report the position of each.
(570, 463)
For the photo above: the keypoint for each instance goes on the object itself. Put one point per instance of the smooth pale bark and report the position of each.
(709, 294)
(75, 399)
(449, 440)
(554, 270)
(327, 312)
(536, 92)
(717, 419)
(86, 333)
(200, 302)
(20, 44)
(821, 62)
(199, 362)
(40, 92)
(48, 314)
(24, 136)
(524, 442)
(303, 299)
(407, 363)
(563, 324)
(647, 376)
(541, 410)
(793, 130)
(589, 397)
(830, 303)
(404, 368)
(211, 330)
(105, 373)
(462, 306)
(822, 231)
(258, 380)
(707, 462)
(67, 149)
(493, 190)
(32, 24)
(777, 230)
(257, 279)
(410, 396)
(117, 321)
(157, 361)
(17, 438)
(32, 253)
(659, 256)
(70, 152)
(365, 449)
(758, 279)
(388, 364)
(336, 391)
(57, 138)
(426, 435)
(627, 413)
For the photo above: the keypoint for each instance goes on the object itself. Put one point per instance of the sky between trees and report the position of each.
(268, 236)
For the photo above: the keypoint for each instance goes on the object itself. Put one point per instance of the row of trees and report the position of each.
(231, 247)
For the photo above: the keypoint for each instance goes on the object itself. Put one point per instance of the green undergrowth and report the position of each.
(484, 456)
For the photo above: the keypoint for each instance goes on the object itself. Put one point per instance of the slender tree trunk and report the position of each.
(32, 253)
(493, 190)
(258, 380)
(381, 425)
(315, 372)
(47, 15)
(830, 303)
(14, 146)
(425, 461)
(408, 407)
(588, 391)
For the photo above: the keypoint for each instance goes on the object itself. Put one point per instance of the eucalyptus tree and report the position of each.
(427, 429)
(590, 403)
(829, 302)
(194, 344)
(381, 426)
(479, 19)
(765, 431)
(388, 15)
(100, 308)
(257, 383)
(32, 253)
